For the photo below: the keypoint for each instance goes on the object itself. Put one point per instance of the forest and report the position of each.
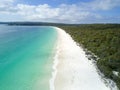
(104, 41)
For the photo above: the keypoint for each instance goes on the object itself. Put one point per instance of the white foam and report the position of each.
(55, 63)
(72, 69)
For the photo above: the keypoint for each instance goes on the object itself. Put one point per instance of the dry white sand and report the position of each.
(72, 69)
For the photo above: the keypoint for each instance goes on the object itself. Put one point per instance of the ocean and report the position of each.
(26, 57)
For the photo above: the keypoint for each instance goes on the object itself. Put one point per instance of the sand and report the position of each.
(72, 69)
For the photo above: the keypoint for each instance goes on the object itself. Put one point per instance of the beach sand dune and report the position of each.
(74, 70)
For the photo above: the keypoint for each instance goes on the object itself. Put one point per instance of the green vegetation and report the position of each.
(104, 41)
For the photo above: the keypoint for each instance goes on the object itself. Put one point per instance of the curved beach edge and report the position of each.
(72, 70)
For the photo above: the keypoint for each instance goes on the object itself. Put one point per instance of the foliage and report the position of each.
(104, 41)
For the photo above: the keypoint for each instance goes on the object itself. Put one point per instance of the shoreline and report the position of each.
(55, 63)
(74, 72)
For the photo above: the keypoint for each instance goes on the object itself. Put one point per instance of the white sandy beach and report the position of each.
(72, 69)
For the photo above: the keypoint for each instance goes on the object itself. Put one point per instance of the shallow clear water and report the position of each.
(26, 57)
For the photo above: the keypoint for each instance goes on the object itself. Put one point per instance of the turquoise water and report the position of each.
(26, 57)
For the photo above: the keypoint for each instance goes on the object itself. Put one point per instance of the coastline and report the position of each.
(74, 72)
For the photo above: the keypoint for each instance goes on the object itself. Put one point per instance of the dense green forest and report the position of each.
(104, 41)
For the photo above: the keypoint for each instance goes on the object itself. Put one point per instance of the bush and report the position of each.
(104, 41)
